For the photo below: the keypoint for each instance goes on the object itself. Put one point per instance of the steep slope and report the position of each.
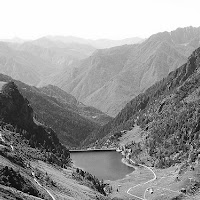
(70, 126)
(168, 114)
(32, 61)
(33, 163)
(59, 54)
(15, 110)
(110, 78)
(14, 64)
(71, 103)
(25, 174)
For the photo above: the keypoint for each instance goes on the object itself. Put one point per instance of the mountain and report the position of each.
(33, 162)
(99, 43)
(31, 61)
(56, 51)
(110, 78)
(72, 104)
(71, 120)
(34, 62)
(14, 40)
(167, 115)
(16, 110)
(14, 63)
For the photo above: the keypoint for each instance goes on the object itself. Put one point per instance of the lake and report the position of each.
(105, 165)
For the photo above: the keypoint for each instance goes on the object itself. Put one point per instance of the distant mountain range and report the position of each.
(98, 44)
(34, 60)
(109, 78)
(13, 40)
(31, 61)
(102, 78)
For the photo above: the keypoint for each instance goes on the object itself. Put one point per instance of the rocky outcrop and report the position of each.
(14, 108)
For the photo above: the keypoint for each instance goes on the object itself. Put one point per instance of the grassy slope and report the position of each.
(64, 187)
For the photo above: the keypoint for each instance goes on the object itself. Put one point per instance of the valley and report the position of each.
(35, 167)
(110, 78)
(101, 119)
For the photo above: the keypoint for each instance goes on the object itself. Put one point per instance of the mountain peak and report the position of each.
(180, 36)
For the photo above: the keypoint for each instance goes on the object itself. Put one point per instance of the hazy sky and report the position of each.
(114, 19)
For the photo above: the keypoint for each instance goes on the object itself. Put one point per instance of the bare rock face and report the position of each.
(111, 77)
(14, 107)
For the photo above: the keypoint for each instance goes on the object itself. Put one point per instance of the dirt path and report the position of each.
(42, 186)
(130, 191)
(151, 180)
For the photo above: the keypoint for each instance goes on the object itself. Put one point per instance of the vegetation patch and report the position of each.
(12, 178)
(91, 181)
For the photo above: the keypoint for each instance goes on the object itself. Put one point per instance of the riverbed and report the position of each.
(106, 165)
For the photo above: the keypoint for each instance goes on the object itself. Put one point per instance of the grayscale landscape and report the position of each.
(100, 100)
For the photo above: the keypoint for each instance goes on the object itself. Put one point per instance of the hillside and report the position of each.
(59, 54)
(110, 78)
(62, 116)
(32, 61)
(168, 114)
(33, 163)
(71, 103)
(13, 64)
(16, 110)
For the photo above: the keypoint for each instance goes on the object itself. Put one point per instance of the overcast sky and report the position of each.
(113, 19)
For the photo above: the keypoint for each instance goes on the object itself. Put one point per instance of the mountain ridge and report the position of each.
(98, 43)
(71, 121)
(168, 116)
(109, 78)
(31, 61)
(34, 163)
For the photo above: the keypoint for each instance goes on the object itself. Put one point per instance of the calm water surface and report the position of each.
(105, 165)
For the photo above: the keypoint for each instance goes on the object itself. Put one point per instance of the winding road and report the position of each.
(149, 181)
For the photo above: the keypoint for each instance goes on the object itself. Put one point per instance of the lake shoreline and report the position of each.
(104, 165)
(126, 162)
